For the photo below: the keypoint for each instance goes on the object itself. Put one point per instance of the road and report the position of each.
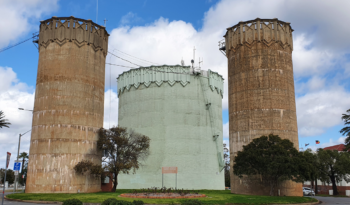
(7, 202)
(333, 200)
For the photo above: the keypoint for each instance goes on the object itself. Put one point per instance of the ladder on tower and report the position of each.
(215, 134)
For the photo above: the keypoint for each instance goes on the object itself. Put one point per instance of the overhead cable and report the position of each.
(137, 57)
(120, 65)
(124, 59)
(4, 49)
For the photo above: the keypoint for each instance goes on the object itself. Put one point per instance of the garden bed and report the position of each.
(162, 195)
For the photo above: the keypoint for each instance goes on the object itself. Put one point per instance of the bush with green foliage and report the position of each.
(138, 202)
(72, 202)
(191, 202)
(113, 201)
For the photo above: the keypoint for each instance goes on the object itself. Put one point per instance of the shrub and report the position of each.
(191, 202)
(109, 201)
(138, 202)
(72, 202)
(113, 201)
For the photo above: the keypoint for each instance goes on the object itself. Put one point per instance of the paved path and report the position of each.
(7, 202)
(333, 200)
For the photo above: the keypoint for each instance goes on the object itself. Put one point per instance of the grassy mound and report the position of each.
(213, 197)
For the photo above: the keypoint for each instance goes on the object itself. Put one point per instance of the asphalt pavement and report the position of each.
(333, 200)
(7, 202)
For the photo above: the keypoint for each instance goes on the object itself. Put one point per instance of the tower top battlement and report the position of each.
(259, 30)
(70, 29)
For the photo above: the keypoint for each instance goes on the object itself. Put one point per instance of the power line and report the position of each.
(137, 57)
(120, 65)
(134, 56)
(4, 49)
(124, 59)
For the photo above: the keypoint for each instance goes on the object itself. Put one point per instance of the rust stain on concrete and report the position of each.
(69, 105)
(261, 92)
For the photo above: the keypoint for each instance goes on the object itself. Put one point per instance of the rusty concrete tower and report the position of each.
(261, 92)
(69, 105)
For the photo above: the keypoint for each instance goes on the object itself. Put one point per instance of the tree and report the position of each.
(333, 167)
(10, 176)
(227, 166)
(308, 167)
(123, 149)
(24, 156)
(346, 130)
(270, 157)
(3, 122)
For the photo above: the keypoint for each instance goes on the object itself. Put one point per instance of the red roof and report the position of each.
(339, 147)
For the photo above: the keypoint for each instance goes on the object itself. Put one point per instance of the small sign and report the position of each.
(16, 173)
(8, 159)
(169, 170)
(17, 166)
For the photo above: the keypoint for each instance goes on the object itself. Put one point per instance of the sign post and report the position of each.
(169, 170)
(7, 164)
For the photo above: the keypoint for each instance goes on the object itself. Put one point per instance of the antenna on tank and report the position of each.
(199, 62)
(105, 22)
(192, 61)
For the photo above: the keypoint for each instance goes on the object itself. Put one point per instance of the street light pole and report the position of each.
(16, 176)
(19, 145)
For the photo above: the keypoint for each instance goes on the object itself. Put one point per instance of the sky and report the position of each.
(164, 32)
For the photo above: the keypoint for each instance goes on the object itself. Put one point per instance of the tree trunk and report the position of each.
(316, 190)
(312, 184)
(334, 185)
(115, 184)
(272, 188)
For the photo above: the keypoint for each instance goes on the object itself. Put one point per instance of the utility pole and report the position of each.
(16, 176)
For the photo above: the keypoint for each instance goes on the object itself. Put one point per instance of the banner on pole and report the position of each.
(8, 159)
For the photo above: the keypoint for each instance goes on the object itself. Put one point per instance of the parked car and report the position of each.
(308, 191)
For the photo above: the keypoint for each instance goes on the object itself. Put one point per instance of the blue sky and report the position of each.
(166, 31)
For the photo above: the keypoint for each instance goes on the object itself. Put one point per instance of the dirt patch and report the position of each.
(162, 195)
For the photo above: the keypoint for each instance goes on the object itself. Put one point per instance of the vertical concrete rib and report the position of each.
(261, 93)
(69, 105)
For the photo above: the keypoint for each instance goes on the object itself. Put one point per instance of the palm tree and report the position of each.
(24, 156)
(3, 122)
(346, 130)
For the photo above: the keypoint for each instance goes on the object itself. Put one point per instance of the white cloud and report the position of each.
(16, 17)
(317, 111)
(111, 109)
(226, 130)
(14, 95)
(130, 17)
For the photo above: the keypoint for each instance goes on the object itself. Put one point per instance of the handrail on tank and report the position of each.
(74, 20)
(261, 21)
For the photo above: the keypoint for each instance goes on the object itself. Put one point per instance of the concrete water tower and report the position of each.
(69, 105)
(261, 92)
(180, 109)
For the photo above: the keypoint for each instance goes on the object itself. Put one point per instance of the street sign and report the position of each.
(8, 159)
(169, 170)
(17, 166)
(16, 173)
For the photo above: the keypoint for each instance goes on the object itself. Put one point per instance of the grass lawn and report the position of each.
(213, 197)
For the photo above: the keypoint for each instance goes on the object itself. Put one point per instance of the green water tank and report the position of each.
(180, 109)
